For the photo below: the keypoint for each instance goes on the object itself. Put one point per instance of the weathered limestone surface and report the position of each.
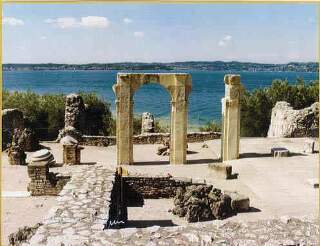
(179, 87)
(221, 170)
(69, 131)
(147, 123)
(71, 151)
(74, 112)
(309, 146)
(82, 210)
(150, 138)
(74, 117)
(202, 203)
(156, 187)
(26, 139)
(11, 119)
(16, 155)
(280, 152)
(276, 232)
(288, 122)
(231, 118)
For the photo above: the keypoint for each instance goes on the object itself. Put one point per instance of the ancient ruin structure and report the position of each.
(74, 118)
(16, 155)
(42, 181)
(74, 112)
(280, 152)
(71, 151)
(11, 119)
(231, 118)
(26, 139)
(309, 146)
(288, 122)
(147, 123)
(178, 86)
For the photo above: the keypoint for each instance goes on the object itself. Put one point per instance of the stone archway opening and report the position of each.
(154, 99)
(179, 87)
(152, 120)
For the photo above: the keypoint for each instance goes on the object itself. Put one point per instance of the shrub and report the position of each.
(211, 126)
(45, 113)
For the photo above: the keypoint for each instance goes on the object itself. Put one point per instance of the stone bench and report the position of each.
(280, 152)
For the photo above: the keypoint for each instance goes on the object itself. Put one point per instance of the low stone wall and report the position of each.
(98, 140)
(150, 138)
(155, 187)
(43, 182)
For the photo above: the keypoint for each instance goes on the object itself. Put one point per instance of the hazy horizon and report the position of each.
(159, 62)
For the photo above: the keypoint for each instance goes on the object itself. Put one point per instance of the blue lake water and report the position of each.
(204, 101)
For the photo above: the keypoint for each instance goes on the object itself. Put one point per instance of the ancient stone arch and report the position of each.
(179, 88)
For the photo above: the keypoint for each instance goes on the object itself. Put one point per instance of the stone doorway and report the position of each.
(179, 87)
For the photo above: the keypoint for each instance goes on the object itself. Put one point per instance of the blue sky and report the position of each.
(87, 33)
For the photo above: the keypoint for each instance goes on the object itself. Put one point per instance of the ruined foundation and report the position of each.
(71, 151)
(43, 182)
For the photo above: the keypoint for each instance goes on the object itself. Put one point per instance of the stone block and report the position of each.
(309, 146)
(239, 202)
(280, 152)
(221, 170)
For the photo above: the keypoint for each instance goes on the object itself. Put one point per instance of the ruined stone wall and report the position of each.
(74, 112)
(150, 138)
(11, 119)
(43, 182)
(155, 187)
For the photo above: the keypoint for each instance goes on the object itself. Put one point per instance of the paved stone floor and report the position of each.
(82, 209)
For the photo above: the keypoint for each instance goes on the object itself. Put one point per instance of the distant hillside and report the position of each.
(190, 65)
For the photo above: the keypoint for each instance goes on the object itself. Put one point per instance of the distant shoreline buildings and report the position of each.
(190, 65)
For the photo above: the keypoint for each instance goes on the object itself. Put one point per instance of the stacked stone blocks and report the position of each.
(71, 151)
(43, 182)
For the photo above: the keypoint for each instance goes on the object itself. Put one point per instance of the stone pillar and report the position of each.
(124, 108)
(74, 112)
(147, 123)
(42, 182)
(231, 118)
(71, 151)
(178, 143)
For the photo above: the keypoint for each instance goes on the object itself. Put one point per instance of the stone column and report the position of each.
(124, 107)
(74, 112)
(231, 118)
(147, 123)
(71, 151)
(178, 142)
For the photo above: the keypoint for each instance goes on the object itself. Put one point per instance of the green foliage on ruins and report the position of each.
(256, 106)
(211, 126)
(45, 113)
